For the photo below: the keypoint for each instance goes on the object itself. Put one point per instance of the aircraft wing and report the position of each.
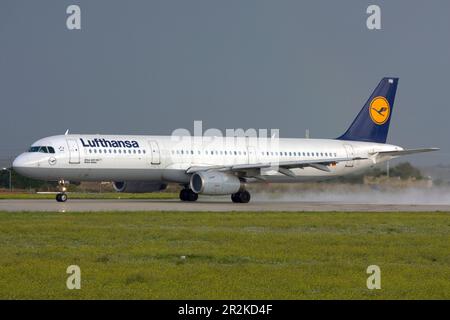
(282, 166)
(403, 152)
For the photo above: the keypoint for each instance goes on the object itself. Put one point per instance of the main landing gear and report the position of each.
(241, 197)
(62, 196)
(188, 195)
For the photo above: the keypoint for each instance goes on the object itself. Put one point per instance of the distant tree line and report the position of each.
(403, 170)
(21, 182)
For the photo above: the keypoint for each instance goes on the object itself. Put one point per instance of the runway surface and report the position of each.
(219, 205)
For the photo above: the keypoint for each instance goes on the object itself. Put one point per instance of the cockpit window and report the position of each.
(43, 149)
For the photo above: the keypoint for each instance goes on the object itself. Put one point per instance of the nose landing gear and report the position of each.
(62, 196)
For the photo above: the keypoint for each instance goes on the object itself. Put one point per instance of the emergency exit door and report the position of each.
(350, 154)
(155, 154)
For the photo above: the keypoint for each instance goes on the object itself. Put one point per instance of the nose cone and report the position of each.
(23, 163)
(18, 162)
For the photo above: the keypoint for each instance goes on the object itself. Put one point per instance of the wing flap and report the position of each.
(319, 164)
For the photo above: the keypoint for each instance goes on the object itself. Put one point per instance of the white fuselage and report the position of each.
(165, 159)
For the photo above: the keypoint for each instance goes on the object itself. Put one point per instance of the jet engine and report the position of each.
(214, 183)
(138, 186)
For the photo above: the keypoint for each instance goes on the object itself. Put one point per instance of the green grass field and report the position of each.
(228, 255)
(81, 195)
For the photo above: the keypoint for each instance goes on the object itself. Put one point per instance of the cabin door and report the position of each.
(74, 151)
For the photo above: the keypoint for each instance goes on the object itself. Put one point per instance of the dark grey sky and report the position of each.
(149, 67)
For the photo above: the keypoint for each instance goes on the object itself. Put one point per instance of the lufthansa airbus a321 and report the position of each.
(217, 165)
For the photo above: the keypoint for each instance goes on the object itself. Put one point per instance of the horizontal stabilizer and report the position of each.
(404, 152)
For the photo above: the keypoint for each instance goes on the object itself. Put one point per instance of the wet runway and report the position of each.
(210, 204)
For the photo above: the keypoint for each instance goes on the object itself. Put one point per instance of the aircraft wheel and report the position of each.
(183, 195)
(241, 197)
(192, 196)
(188, 195)
(61, 197)
(244, 196)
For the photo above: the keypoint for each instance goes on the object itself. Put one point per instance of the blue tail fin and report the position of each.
(372, 122)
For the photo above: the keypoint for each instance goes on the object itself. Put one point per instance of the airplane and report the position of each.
(215, 165)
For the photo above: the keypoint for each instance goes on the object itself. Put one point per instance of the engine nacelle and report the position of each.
(214, 182)
(138, 186)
